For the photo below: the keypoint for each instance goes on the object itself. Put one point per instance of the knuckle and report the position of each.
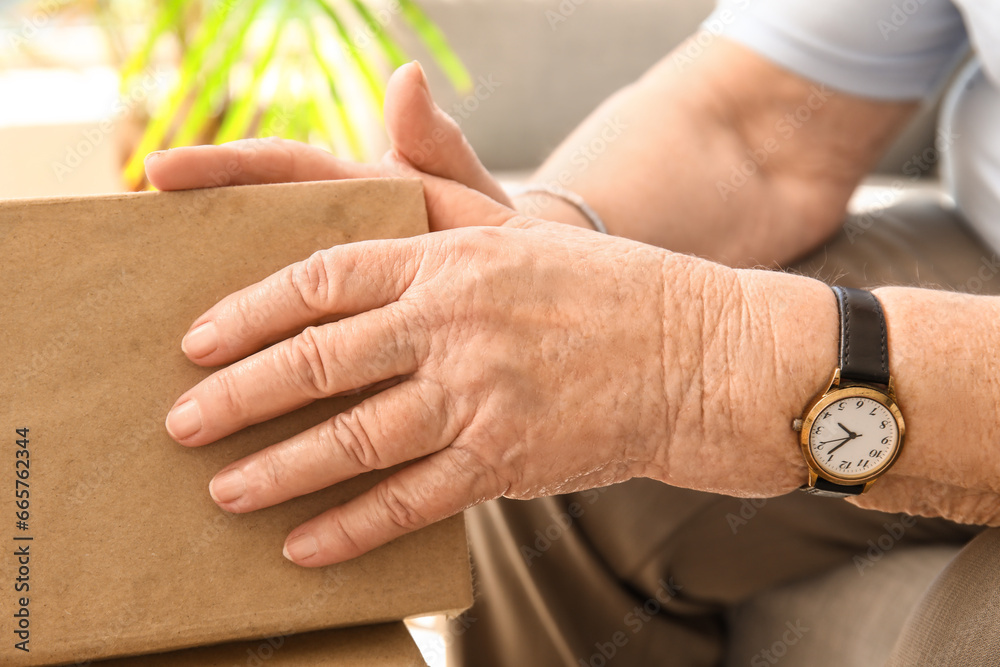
(308, 364)
(228, 393)
(435, 405)
(273, 468)
(345, 436)
(470, 464)
(338, 532)
(310, 281)
(407, 324)
(518, 221)
(280, 162)
(398, 510)
(289, 156)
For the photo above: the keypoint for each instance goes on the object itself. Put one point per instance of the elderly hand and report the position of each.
(529, 360)
(426, 143)
(524, 358)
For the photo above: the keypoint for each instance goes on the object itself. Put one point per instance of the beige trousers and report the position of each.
(641, 573)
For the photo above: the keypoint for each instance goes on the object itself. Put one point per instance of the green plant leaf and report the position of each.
(326, 71)
(393, 52)
(240, 116)
(277, 117)
(365, 67)
(435, 41)
(207, 95)
(301, 128)
(167, 18)
(194, 60)
(214, 41)
(320, 123)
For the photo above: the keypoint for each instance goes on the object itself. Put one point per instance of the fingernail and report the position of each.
(184, 420)
(201, 341)
(153, 156)
(227, 486)
(301, 547)
(423, 75)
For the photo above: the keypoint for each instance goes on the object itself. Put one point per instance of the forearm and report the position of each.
(661, 160)
(773, 346)
(945, 351)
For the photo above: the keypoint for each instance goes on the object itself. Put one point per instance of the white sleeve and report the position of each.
(888, 49)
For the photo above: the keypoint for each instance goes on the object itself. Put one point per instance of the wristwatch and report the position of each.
(852, 432)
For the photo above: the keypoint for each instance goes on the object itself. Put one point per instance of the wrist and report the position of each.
(793, 331)
(767, 343)
(547, 206)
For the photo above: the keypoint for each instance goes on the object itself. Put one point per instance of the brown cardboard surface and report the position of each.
(388, 645)
(128, 554)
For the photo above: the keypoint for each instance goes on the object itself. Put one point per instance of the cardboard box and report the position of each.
(126, 552)
(388, 645)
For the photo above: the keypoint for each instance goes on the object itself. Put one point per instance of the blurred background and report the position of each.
(88, 87)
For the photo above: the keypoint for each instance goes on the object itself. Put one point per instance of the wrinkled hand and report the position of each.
(528, 356)
(426, 143)
(523, 358)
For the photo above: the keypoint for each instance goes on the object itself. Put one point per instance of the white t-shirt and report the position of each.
(899, 50)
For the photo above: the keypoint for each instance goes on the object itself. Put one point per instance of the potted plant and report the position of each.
(311, 70)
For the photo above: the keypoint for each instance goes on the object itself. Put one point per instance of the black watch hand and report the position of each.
(852, 436)
(847, 430)
(846, 440)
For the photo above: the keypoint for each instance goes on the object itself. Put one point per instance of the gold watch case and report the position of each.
(834, 393)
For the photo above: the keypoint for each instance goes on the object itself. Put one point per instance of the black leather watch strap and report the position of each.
(864, 342)
(828, 489)
(864, 357)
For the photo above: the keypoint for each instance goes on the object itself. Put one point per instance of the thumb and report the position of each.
(427, 138)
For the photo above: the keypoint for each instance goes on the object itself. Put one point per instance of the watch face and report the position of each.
(855, 434)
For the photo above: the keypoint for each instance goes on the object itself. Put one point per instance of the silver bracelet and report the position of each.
(567, 196)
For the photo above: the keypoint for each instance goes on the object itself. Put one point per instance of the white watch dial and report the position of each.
(854, 437)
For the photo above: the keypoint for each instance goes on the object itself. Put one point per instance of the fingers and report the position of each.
(319, 362)
(248, 162)
(402, 423)
(429, 139)
(344, 280)
(423, 493)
